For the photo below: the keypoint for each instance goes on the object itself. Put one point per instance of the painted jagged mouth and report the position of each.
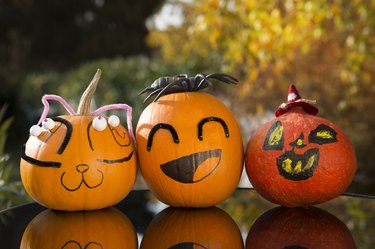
(184, 168)
(298, 167)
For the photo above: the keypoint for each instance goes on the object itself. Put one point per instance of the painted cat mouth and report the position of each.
(83, 182)
(184, 168)
(297, 167)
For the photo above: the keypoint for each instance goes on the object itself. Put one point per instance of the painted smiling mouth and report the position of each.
(297, 167)
(184, 168)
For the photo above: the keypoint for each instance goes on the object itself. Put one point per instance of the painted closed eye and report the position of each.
(212, 119)
(323, 134)
(165, 127)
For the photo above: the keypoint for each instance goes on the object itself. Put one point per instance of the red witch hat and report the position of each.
(295, 100)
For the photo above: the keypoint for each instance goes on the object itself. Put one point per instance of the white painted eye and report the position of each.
(48, 124)
(114, 121)
(99, 123)
(35, 130)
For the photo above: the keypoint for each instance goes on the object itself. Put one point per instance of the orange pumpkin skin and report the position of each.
(93, 172)
(108, 228)
(181, 182)
(192, 228)
(299, 228)
(327, 160)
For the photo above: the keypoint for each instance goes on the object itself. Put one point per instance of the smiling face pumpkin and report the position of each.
(190, 149)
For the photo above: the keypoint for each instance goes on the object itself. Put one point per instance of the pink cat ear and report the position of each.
(125, 107)
(57, 98)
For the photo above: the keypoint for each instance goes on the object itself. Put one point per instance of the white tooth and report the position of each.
(48, 124)
(99, 123)
(114, 121)
(35, 130)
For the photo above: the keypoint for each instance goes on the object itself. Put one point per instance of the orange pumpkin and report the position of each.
(192, 228)
(108, 228)
(299, 159)
(299, 228)
(189, 146)
(79, 162)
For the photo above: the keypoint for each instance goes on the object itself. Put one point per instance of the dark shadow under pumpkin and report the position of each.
(184, 168)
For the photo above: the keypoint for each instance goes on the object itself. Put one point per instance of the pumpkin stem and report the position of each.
(85, 102)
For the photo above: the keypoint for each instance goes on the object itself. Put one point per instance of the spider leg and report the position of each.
(203, 83)
(165, 89)
(183, 75)
(152, 94)
(147, 89)
(223, 77)
(202, 79)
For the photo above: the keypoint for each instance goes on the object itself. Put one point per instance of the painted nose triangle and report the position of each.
(82, 168)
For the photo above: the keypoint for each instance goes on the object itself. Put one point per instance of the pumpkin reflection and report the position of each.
(302, 228)
(107, 228)
(178, 228)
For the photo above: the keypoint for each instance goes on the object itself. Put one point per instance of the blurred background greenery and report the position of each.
(327, 48)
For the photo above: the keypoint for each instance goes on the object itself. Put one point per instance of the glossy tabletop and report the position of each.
(245, 220)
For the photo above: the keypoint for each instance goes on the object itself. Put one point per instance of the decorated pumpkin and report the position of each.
(81, 161)
(299, 228)
(298, 158)
(107, 228)
(176, 228)
(189, 144)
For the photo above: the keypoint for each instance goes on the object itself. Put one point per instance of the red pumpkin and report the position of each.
(192, 228)
(80, 161)
(299, 228)
(299, 159)
(107, 228)
(189, 145)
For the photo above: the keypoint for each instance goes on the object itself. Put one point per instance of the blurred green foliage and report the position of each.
(11, 188)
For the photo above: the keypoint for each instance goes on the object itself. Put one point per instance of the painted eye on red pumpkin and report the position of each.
(323, 134)
(275, 137)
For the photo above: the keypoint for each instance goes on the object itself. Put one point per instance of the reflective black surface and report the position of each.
(244, 220)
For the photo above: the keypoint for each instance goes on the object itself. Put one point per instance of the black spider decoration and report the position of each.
(183, 83)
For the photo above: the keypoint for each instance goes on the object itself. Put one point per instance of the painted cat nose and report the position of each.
(82, 168)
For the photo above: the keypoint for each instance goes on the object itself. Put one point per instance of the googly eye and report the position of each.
(114, 121)
(48, 124)
(35, 130)
(99, 123)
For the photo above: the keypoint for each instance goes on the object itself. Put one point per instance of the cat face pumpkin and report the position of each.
(79, 162)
